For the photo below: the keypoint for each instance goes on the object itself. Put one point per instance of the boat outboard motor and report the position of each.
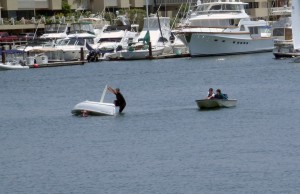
(93, 56)
(172, 38)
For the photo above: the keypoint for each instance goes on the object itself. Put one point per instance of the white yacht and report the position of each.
(116, 37)
(98, 22)
(52, 33)
(55, 31)
(222, 27)
(80, 34)
(283, 38)
(157, 31)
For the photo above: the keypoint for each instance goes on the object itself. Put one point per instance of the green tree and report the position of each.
(136, 16)
(66, 8)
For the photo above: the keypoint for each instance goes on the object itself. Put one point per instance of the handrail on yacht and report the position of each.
(217, 1)
(217, 11)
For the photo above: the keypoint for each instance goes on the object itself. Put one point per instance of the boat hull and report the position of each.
(141, 54)
(283, 49)
(204, 44)
(94, 108)
(12, 67)
(215, 103)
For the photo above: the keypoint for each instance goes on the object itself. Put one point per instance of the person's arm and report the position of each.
(211, 97)
(111, 90)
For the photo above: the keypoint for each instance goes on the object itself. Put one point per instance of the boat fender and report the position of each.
(36, 65)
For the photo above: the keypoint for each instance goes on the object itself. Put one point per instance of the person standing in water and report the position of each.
(120, 101)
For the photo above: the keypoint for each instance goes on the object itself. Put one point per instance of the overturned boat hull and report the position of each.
(94, 108)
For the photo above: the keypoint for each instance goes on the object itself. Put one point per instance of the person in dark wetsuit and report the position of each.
(120, 99)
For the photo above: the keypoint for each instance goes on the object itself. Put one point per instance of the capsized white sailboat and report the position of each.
(95, 108)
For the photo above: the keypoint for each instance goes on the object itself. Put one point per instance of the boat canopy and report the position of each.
(12, 51)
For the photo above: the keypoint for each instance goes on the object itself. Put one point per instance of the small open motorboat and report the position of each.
(12, 60)
(216, 103)
(95, 108)
(12, 66)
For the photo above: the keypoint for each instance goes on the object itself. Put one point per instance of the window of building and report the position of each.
(252, 5)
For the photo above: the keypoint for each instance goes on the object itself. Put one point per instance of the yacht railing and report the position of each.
(217, 11)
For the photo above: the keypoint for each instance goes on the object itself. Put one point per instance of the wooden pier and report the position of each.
(166, 56)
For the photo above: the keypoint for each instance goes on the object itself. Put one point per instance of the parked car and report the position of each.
(5, 37)
(26, 36)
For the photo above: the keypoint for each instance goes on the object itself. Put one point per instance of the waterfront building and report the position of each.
(25, 12)
(267, 9)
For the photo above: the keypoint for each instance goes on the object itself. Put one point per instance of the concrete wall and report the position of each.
(9, 4)
(55, 4)
(123, 3)
(137, 3)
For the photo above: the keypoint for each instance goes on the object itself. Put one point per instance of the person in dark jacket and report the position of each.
(120, 101)
(219, 95)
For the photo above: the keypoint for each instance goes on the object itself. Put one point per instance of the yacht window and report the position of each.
(288, 34)
(90, 40)
(216, 7)
(80, 42)
(278, 32)
(109, 40)
(242, 28)
(253, 30)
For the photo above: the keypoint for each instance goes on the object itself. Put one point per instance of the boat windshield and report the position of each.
(75, 41)
(219, 8)
(82, 27)
(55, 28)
(109, 40)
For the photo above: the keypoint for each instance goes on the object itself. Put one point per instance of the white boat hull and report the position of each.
(94, 108)
(216, 103)
(9, 66)
(141, 54)
(203, 44)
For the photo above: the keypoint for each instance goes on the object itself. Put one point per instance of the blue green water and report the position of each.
(162, 143)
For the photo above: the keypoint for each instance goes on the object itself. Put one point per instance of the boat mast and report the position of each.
(147, 15)
(159, 22)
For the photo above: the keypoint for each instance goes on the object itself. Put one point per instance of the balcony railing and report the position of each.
(280, 11)
(174, 1)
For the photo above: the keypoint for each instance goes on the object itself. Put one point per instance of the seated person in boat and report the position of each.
(210, 94)
(120, 99)
(219, 95)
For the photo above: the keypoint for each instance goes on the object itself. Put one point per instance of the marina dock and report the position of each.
(57, 64)
(165, 56)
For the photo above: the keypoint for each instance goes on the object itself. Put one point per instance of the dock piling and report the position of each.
(3, 55)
